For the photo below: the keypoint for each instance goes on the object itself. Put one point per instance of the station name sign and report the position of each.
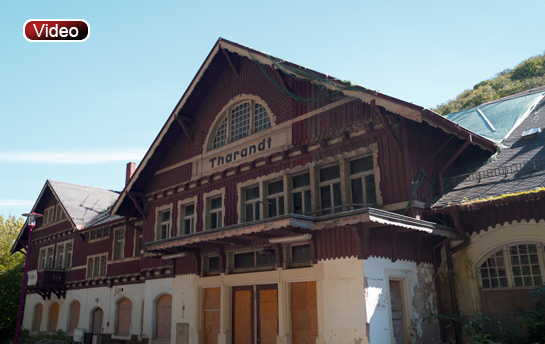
(241, 153)
(244, 150)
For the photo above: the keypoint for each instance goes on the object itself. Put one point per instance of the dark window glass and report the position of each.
(361, 165)
(276, 187)
(165, 216)
(307, 202)
(189, 210)
(213, 264)
(93, 234)
(99, 233)
(215, 203)
(252, 193)
(301, 180)
(300, 254)
(244, 260)
(357, 191)
(298, 203)
(337, 200)
(330, 173)
(249, 212)
(187, 226)
(370, 189)
(274, 209)
(325, 192)
(265, 259)
(106, 231)
(214, 220)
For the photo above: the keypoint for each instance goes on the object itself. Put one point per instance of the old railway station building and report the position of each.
(276, 205)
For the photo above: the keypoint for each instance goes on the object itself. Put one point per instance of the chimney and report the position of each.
(131, 167)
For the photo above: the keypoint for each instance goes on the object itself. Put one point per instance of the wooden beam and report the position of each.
(186, 119)
(222, 258)
(184, 128)
(365, 236)
(312, 245)
(137, 205)
(387, 126)
(278, 256)
(282, 80)
(242, 242)
(357, 239)
(230, 62)
(207, 245)
(197, 255)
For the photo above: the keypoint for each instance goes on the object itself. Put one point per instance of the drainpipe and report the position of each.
(450, 161)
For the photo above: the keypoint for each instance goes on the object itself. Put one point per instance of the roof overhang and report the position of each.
(400, 107)
(370, 216)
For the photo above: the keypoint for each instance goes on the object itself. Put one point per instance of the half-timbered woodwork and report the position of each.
(276, 205)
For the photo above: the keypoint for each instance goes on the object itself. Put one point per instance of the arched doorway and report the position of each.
(97, 326)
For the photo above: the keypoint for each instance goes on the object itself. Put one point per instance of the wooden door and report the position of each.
(97, 326)
(243, 315)
(255, 322)
(267, 314)
(304, 313)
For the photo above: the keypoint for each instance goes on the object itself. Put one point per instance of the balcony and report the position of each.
(48, 281)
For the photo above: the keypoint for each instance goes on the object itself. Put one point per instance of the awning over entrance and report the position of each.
(288, 224)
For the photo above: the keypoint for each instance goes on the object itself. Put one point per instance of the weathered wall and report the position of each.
(418, 286)
(481, 244)
(344, 304)
(107, 300)
(153, 290)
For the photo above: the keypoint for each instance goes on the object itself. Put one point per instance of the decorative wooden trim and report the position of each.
(229, 60)
(387, 126)
(137, 204)
(184, 128)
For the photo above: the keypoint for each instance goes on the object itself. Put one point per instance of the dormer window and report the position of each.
(241, 120)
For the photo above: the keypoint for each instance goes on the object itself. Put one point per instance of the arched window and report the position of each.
(513, 266)
(38, 310)
(124, 311)
(53, 316)
(74, 316)
(241, 120)
(164, 316)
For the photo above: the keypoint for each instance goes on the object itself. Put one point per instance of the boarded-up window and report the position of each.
(164, 316)
(243, 315)
(212, 298)
(74, 316)
(304, 312)
(124, 311)
(53, 317)
(268, 314)
(38, 310)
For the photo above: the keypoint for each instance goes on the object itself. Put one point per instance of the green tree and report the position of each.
(11, 275)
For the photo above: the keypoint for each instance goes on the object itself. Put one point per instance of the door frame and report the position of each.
(93, 325)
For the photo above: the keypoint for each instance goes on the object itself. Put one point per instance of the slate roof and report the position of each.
(519, 167)
(87, 206)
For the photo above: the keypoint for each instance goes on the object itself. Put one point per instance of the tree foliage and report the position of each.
(11, 275)
(528, 74)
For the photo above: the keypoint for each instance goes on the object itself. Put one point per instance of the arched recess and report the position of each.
(257, 121)
(163, 316)
(53, 316)
(73, 321)
(124, 317)
(38, 311)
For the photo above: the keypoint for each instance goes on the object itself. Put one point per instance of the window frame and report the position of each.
(158, 223)
(330, 183)
(360, 175)
(116, 251)
(49, 215)
(182, 217)
(509, 267)
(289, 254)
(301, 190)
(67, 263)
(225, 115)
(45, 258)
(137, 242)
(255, 202)
(231, 261)
(94, 258)
(207, 211)
(269, 197)
(93, 234)
(60, 214)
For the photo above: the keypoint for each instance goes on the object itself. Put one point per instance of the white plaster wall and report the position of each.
(420, 290)
(344, 304)
(87, 298)
(153, 290)
(183, 304)
(482, 244)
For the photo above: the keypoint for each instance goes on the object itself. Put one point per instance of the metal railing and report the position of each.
(531, 165)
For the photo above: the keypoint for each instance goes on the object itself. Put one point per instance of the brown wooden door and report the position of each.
(97, 326)
(304, 313)
(255, 314)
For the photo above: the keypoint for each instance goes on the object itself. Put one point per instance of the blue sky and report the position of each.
(78, 112)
